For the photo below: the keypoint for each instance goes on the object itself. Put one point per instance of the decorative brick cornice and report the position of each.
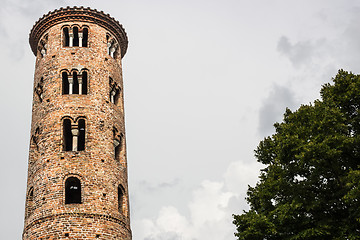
(78, 14)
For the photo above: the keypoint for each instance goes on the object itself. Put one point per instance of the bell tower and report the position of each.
(77, 185)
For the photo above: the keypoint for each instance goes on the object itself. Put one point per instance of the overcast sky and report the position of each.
(204, 82)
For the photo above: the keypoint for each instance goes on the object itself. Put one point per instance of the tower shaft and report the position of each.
(77, 174)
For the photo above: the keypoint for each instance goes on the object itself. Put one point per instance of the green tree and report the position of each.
(310, 186)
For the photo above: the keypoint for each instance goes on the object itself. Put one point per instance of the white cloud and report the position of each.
(211, 209)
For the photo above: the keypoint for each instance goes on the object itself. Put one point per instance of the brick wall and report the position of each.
(98, 216)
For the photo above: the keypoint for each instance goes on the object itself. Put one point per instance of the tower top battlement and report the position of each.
(70, 14)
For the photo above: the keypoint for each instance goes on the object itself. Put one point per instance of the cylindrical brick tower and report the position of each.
(77, 175)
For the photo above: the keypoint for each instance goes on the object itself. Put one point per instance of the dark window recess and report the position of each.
(84, 82)
(76, 83)
(39, 89)
(118, 143)
(67, 135)
(85, 37)
(65, 83)
(66, 36)
(31, 194)
(121, 199)
(76, 37)
(116, 97)
(72, 190)
(81, 138)
(114, 92)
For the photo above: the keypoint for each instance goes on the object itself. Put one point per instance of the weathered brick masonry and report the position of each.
(77, 174)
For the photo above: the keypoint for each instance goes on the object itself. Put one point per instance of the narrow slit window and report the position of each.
(66, 36)
(76, 36)
(117, 96)
(31, 194)
(30, 199)
(84, 82)
(75, 83)
(85, 37)
(65, 83)
(117, 144)
(121, 194)
(39, 89)
(118, 147)
(67, 135)
(72, 190)
(114, 95)
(81, 138)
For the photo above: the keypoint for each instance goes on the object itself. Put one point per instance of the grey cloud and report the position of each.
(348, 44)
(273, 108)
(300, 53)
(156, 187)
(165, 236)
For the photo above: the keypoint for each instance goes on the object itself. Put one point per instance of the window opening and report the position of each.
(66, 37)
(30, 198)
(72, 190)
(84, 37)
(117, 144)
(35, 138)
(76, 36)
(75, 84)
(112, 46)
(83, 85)
(31, 194)
(81, 138)
(67, 135)
(114, 92)
(121, 199)
(66, 83)
(39, 89)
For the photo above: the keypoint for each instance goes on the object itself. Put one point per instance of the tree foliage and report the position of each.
(310, 187)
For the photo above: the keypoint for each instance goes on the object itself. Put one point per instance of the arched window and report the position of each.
(75, 85)
(114, 92)
(72, 190)
(67, 135)
(112, 46)
(66, 37)
(39, 89)
(35, 138)
(65, 83)
(118, 138)
(73, 135)
(83, 79)
(30, 200)
(76, 36)
(121, 194)
(42, 47)
(85, 33)
(31, 194)
(81, 138)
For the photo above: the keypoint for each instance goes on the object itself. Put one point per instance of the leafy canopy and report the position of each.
(310, 187)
